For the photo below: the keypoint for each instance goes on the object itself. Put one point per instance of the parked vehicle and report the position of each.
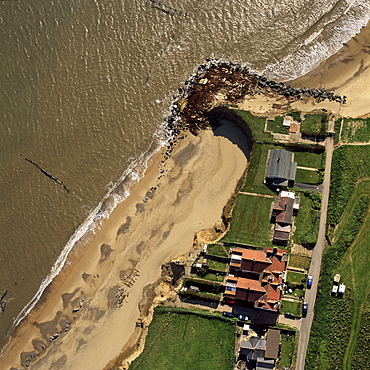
(304, 309)
(243, 317)
(309, 282)
(228, 314)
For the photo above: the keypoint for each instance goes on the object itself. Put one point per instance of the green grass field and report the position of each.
(314, 123)
(212, 277)
(356, 130)
(296, 277)
(257, 126)
(296, 114)
(287, 349)
(336, 331)
(217, 250)
(181, 340)
(354, 267)
(361, 354)
(256, 170)
(309, 159)
(276, 126)
(217, 265)
(307, 176)
(350, 163)
(250, 222)
(340, 343)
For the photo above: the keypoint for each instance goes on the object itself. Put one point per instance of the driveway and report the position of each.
(310, 187)
(310, 296)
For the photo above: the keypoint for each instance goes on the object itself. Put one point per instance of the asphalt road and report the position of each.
(310, 296)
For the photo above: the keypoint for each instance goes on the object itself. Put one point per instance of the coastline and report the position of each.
(116, 195)
(99, 312)
(347, 72)
(93, 280)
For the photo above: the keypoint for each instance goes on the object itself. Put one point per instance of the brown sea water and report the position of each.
(85, 87)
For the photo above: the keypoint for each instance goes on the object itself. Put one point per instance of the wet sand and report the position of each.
(347, 72)
(91, 308)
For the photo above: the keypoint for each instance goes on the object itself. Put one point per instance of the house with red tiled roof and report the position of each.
(242, 289)
(256, 277)
(249, 260)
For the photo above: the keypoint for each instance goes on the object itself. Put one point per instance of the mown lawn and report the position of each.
(307, 176)
(296, 277)
(276, 126)
(293, 308)
(212, 277)
(217, 265)
(182, 340)
(250, 222)
(307, 221)
(314, 123)
(309, 159)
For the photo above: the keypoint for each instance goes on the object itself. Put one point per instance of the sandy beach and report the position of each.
(347, 72)
(94, 303)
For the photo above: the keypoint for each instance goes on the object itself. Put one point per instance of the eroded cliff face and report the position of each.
(217, 83)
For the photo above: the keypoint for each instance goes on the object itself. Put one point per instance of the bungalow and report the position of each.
(281, 169)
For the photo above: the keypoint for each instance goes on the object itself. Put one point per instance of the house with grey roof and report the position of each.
(264, 351)
(253, 349)
(281, 169)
